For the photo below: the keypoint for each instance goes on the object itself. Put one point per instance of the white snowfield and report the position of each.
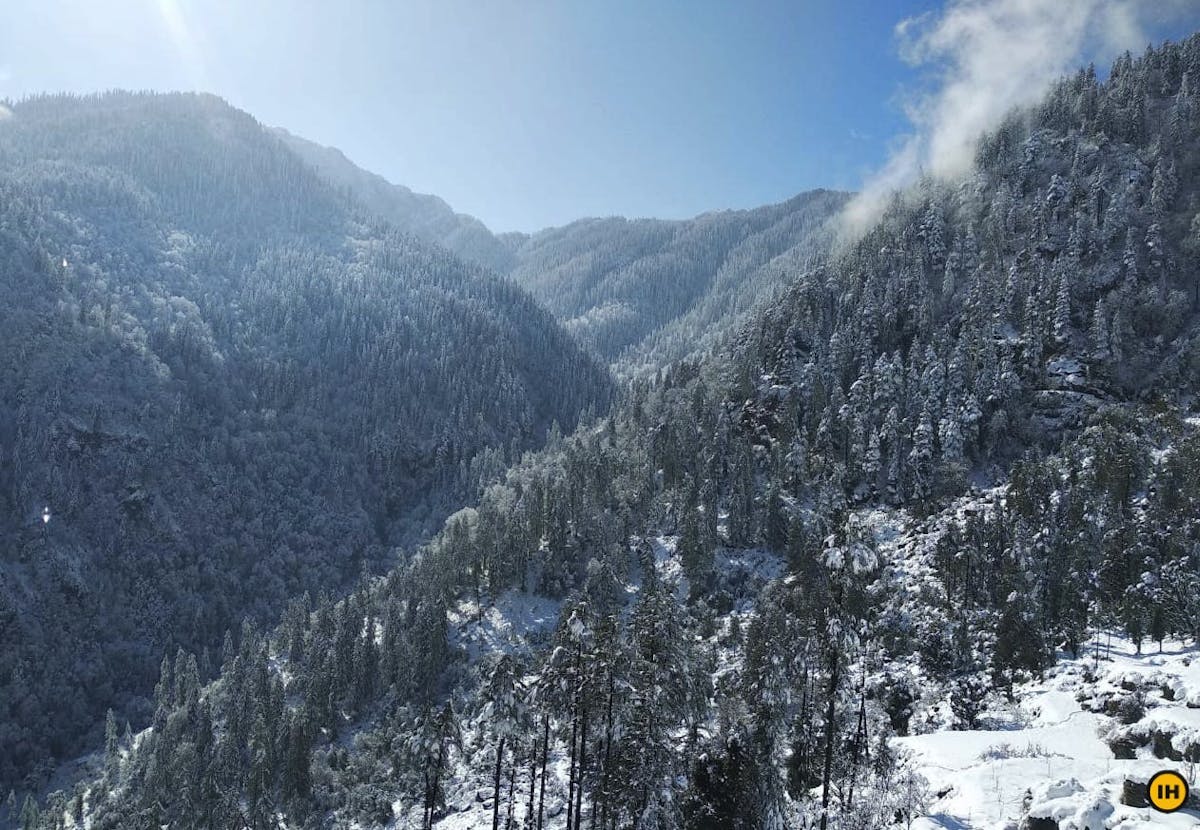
(1049, 758)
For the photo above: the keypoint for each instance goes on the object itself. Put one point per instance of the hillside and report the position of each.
(646, 293)
(911, 498)
(426, 217)
(226, 385)
(640, 294)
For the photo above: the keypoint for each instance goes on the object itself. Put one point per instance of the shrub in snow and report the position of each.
(371, 804)
(1161, 745)
(967, 699)
(1131, 708)
(1002, 751)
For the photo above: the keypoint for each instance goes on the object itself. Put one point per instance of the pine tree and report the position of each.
(505, 709)
(777, 519)
(1019, 638)
(719, 782)
(872, 463)
(1157, 255)
(933, 229)
(968, 697)
(30, 815)
(920, 459)
(1164, 187)
(950, 437)
(1062, 308)
(1099, 331)
(741, 499)
(694, 555)
(111, 741)
(1129, 258)
(1191, 244)
(436, 737)
(657, 701)
(296, 779)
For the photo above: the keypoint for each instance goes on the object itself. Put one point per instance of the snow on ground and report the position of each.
(668, 566)
(510, 624)
(1046, 757)
(755, 565)
(1049, 755)
(517, 621)
(1055, 762)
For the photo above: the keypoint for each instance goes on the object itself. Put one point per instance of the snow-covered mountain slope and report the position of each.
(1077, 746)
(965, 441)
(640, 293)
(1074, 746)
(644, 293)
(228, 387)
(518, 624)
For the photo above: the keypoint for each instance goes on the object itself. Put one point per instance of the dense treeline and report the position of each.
(228, 385)
(1003, 364)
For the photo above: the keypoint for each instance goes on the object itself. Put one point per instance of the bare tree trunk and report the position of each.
(860, 733)
(577, 703)
(426, 815)
(595, 793)
(583, 735)
(571, 766)
(496, 787)
(532, 783)
(830, 726)
(803, 761)
(642, 802)
(608, 733)
(437, 776)
(545, 755)
(512, 789)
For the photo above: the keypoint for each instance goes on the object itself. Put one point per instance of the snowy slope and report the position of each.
(520, 623)
(1051, 757)
(1048, 753)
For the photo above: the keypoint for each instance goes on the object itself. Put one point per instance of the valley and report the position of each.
(324, 506)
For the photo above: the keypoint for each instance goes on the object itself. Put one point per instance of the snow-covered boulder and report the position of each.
(1066, 805)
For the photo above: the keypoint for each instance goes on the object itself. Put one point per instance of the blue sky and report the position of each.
(523, 113)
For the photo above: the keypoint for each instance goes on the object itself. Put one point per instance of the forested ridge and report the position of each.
(644, 293)
(227, 384)
(943, 460)
(638, 293)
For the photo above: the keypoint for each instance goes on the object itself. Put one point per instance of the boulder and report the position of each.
(1032, 823)
(1133, 793)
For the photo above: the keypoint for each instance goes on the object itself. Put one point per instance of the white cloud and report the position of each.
(987, 57)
